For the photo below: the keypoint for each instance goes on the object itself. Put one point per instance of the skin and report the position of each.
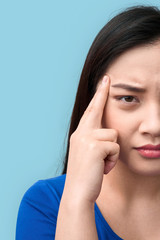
(133, 186)
(137, 119)
(89, 146)
(103, 167)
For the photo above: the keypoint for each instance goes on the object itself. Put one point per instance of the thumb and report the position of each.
(109, 163)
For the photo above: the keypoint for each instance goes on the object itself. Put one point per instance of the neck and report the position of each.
(131, 186)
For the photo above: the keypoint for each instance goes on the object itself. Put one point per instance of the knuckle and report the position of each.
(83, 139)
(77, 137)
(115, 134)
(92, 145)
(117, 147)
(90, 109)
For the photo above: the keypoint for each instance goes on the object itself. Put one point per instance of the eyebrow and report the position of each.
(128, 87)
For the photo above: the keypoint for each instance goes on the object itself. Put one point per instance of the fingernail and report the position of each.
(105, 80)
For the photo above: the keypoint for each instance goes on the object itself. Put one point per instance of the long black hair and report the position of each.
(135, 26)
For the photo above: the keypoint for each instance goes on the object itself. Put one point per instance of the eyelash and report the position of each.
(119, 98)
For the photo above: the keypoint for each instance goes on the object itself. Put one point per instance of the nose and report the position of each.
(151, 121)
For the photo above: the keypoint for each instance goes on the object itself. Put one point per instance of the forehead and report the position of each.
(140, 65)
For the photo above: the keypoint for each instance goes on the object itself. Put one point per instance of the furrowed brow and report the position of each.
(128, 87)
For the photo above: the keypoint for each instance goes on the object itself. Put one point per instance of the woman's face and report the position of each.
(133, 107)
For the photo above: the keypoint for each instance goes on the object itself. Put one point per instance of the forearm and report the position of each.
(76, 221)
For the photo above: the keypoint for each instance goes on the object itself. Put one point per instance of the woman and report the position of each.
(112, 186)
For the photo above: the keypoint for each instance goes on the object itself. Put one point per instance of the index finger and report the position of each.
(92, 116)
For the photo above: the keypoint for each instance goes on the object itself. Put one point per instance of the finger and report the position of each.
(92, 117)
(112, 158)
(110, 150)
(109, 165)
(109, 153)
(104, 134)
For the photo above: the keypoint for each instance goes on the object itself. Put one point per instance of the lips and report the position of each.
(149, 151)
(150, 147)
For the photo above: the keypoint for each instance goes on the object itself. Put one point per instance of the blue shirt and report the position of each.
(38, 212)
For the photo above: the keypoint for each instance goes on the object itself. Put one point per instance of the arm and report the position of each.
(76, 221)
(93, 152)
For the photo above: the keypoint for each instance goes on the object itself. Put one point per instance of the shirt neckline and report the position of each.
(105, 224)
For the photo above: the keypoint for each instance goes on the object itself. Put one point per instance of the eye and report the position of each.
(127, 99)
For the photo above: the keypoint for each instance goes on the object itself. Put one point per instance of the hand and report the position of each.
(93, 150)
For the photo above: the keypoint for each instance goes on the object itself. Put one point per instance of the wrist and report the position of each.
(76, 202)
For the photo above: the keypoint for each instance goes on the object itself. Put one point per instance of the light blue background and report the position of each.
(42, 51)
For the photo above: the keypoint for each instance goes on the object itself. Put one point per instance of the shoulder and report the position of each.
(39, 207)
(45, 192)
(47, 187)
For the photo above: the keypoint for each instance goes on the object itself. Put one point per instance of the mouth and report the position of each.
(149, 151)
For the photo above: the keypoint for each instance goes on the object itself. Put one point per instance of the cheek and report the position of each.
(120, 120)
(112, 117)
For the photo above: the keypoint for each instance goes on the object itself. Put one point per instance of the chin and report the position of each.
(153, 173)
(147, 169)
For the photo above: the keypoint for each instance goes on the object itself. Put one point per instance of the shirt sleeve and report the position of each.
(38, 212)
